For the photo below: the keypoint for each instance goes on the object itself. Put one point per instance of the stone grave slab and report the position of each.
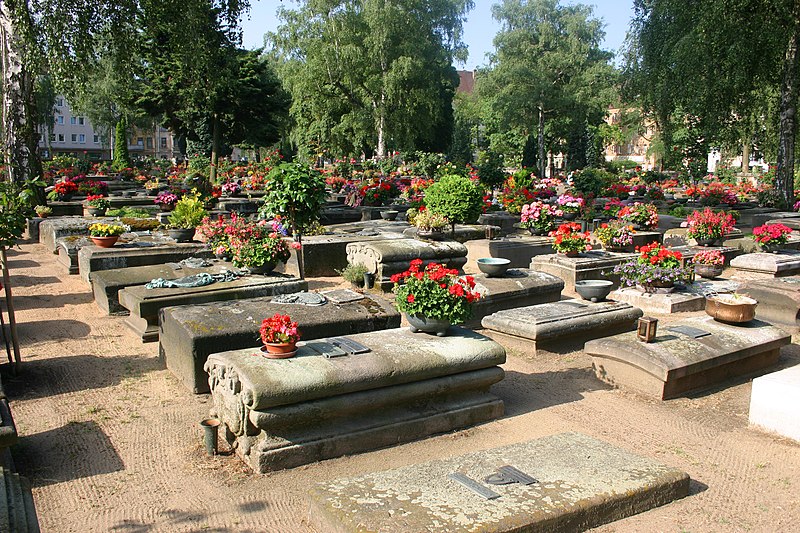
(144, 304)
(690, 355)
(519, 249)
(464, 232)
(580, 483)
(778, 301)
(685, 299)
(551, 324)
(594, 264)
(285, 413)
(746, 245)
(189, 334)
(775, 402)
(139, 251)
(763, 216)
(339, 215)
(688, 252)
(243, 206)
(518, 288)
(106, 284)
(51, 229)
(768, 265)
(640, 238)
(325, 255)
(677, 237)
(502, 219)
(385, 258)
(63, 209)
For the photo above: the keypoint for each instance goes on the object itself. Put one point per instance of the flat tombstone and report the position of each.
(106, 284)
(550, 324)
(144, 304)
(687, 356)
(594, 264)
(139, 252)
(769, 265)
(189, 334)
(519, 249)
(517, 288)
(682, 300)
(580, 483)
(778, 301)
(403, 386)
(51, 229)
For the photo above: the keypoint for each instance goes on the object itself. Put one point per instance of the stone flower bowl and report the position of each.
(594, 290)
(731, 308)
(493, 267)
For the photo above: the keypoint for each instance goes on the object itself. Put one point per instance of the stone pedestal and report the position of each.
(778, 301)
(386, 258)
(189, 334)
(680, 361)
(594, 264)
(106, 284)
(689, 298)
(581, 483)
(144, 304)
(139, 251)
(519, 249)
(768, 265)
(285, 413)
(566, 322)
(518, 288)
(775, 402)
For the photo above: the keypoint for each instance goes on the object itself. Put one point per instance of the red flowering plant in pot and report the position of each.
(433, 297)
(569, 240)
(770, 237)
(279, 335)
(707, 226)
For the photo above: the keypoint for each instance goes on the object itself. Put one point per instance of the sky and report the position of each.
(479, 30)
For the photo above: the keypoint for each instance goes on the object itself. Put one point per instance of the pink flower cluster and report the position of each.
(537, 211)
(573, 203)
(771, 234)
(279, 329)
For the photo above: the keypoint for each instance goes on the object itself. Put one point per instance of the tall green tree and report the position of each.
(698, 62)
(369, 74)
(547, 70)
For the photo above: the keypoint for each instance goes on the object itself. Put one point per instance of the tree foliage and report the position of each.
(548, 75)
(368, 75)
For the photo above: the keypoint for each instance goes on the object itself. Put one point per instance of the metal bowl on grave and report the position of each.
(594, 290)
(493, 267)
(389, 215)
(731, 308)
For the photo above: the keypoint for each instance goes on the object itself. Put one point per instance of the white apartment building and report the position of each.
(74, 134)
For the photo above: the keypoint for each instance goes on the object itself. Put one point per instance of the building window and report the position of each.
(149, 142)
(61, 137)
(163, 142)
(82, 138)
(140, 141)
(52, 137)
(60, 119)
(72, 120)
(59, 102)
(81, 121)
(96, 139)
(74, 137)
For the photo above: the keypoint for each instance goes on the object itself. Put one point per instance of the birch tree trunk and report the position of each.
(20, 135)
(381, 151)
(542, 161)
(784, 176)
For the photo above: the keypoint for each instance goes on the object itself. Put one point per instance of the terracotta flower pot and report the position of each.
(105, 242)
(279, 350)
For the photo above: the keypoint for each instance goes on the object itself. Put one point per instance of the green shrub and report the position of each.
(490, 169)
(188, 213)
(354, 273)
(457, 198)
(591, 181)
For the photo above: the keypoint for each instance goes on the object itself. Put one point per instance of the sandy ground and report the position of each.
(110, 440)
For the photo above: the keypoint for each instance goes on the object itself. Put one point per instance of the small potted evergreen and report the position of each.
(184, 219)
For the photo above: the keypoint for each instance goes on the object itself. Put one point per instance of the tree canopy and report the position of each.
(366, 75)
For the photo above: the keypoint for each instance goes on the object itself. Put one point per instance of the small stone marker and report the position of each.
(680, 360)
(775, 402)
(539, 326)
(582, 483)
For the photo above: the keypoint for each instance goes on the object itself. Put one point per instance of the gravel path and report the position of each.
(111, 442)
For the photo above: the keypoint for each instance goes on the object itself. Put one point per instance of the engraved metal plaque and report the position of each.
(689, 331)
(474, 486)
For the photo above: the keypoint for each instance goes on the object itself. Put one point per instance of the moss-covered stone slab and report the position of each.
(285, 413)
(138, 250)
(189, 334)
(682, 360)
(517, 288)
(581, 483)
(144, 304)
(565, 322)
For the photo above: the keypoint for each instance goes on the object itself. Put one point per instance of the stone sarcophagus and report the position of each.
(386, 258)
(401, 387)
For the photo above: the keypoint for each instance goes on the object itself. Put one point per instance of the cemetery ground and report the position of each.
(110, 439)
